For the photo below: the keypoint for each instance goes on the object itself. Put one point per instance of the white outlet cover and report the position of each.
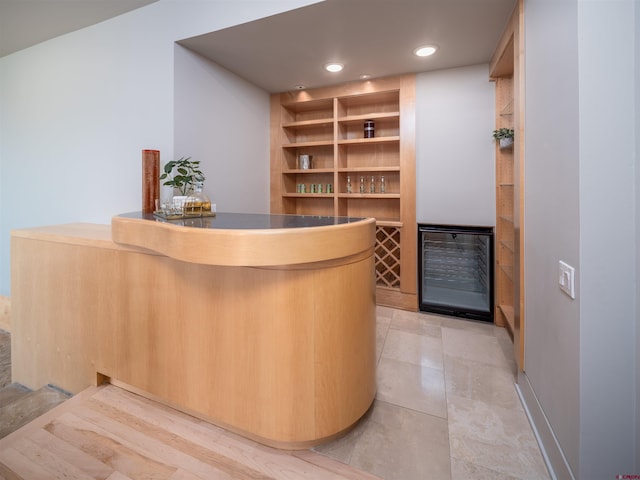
(566, 278)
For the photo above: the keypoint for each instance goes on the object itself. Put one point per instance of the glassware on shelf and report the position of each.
(197, 203)
(361, 184)
(383, 186)
(349, 189)
(372, 185)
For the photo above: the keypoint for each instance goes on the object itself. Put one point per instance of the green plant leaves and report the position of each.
(183, 174)
(503, 133)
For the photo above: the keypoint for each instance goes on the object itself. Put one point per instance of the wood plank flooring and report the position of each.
(109, 433)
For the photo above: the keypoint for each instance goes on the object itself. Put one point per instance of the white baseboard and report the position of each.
(557, 464)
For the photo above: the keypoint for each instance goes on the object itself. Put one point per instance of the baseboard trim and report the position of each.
(551, 451)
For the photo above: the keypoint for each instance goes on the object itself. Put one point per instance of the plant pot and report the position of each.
(506, 142)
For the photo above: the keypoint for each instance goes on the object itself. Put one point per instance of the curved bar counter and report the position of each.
(261, 324)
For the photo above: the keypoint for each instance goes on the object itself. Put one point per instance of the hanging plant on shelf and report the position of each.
(182, 175)
(504, 136)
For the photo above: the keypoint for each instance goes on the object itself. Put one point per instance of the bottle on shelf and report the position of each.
(369, 129)
(349, 190)
(372, 185)
(383, 187)
(361, 184)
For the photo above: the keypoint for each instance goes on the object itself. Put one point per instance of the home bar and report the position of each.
(261, 324)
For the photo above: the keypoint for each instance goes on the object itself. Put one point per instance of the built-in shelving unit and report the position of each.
(328, 124)
(506, 71)
(504, 209)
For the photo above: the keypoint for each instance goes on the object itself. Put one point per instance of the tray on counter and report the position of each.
(164, 216)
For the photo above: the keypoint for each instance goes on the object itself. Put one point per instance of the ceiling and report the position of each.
(280, 52)
(24, 23)
(375, 37)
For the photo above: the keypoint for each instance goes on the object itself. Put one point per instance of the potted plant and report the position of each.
(182, 174)
(504, 136)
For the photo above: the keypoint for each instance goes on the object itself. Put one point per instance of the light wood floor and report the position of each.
(109, 433)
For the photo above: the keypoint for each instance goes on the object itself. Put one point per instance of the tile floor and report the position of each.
(446, 406)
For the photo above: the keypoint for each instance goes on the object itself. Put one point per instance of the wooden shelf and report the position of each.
(328, 123)
(364, 141)
(506, 71)
(308, 195)
(368, 195)
(388, 223)
(507, 270)
(368, 116)
(309, 123)
(308, 171)
(507, 243)
(368, 169)
(507, 109)
(321, 143)
(507, 311)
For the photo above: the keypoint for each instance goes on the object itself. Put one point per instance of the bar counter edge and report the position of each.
(279, 350)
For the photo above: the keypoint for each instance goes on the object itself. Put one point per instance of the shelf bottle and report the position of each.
(349, 190)
(361, 184)
(383, 186)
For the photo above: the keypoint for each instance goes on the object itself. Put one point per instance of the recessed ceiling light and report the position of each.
(365, 76)
(333, 67)
(300, 87)
(425, 50)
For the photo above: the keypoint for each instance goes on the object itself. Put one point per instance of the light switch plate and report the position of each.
(566, 278)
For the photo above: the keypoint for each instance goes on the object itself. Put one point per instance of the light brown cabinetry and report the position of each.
(506, 71)
(505, 239)
(274, 343)
(328, 124)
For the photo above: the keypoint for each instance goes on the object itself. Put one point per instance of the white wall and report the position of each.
(455, 150)
(581, 207)
(223, 121)
(552, 210)
(607, 261)
(637, 217)
(76, 111)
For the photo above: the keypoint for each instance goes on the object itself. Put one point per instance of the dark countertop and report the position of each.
(248, 221)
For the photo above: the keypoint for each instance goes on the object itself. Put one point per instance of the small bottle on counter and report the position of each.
(197, 203)
(361, 184)
(383, 186)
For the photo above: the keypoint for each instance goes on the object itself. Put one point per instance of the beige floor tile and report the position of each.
(401, 444)
(468, 345)
(412, 386)
(382, 328)
(480, 381)
(419, 323)
(461, 470)
(494, 437)
(384, 314)
(423, 350)
(468, 325)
